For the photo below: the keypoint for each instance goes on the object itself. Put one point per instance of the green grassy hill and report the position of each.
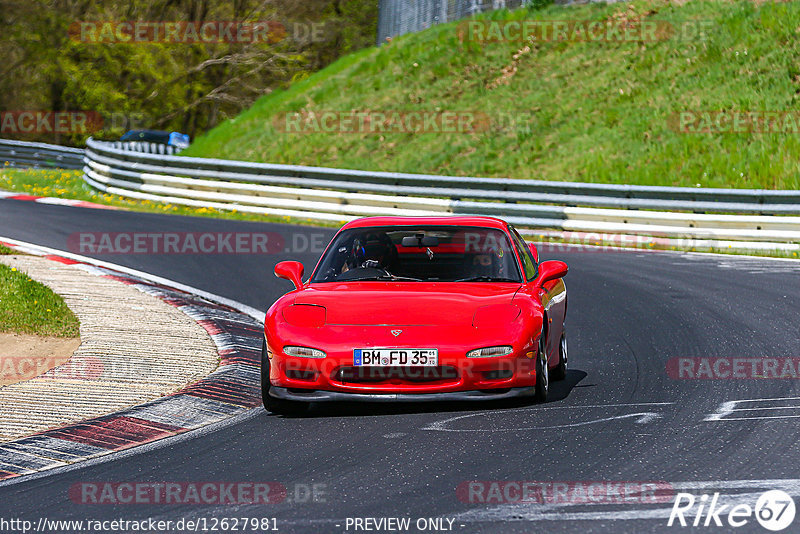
(579, 111)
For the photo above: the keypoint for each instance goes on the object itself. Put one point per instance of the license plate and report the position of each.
(396, 357)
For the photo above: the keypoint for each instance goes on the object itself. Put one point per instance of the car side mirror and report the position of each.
(292, 271)
(534, 251)
(550, 270)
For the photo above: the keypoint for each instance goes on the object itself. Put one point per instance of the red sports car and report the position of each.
(419, 309)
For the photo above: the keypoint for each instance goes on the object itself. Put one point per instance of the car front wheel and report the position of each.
(542, 372)
(560, 370)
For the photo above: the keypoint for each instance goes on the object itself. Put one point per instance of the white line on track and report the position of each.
(643, 417)
(728, 407)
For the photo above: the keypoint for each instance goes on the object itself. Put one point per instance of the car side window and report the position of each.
(524, 252)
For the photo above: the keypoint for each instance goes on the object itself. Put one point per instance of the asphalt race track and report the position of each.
(618, 416)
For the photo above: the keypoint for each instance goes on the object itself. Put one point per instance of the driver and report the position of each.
(483, 265)
(374, 250)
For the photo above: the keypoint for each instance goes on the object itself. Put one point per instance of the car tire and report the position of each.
(560, 371)
(271, 404)
(542, 372)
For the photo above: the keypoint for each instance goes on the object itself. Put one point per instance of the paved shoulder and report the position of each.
(134, 348)
(154, 362)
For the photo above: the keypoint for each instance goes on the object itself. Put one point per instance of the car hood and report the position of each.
(410, 303)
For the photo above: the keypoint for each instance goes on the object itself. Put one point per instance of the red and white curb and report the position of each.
(230, 390)
(10, 195)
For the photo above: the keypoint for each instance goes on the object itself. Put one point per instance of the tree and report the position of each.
(53, 63)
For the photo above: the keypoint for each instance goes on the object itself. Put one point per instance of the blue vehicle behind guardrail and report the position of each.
(175, 139)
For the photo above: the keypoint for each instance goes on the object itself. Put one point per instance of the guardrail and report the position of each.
(339, 194)
(39, 155)
(738, 218)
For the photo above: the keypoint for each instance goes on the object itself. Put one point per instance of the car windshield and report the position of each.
(419, 254)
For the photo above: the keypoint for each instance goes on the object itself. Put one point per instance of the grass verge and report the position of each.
(29, 307)
(590, 111)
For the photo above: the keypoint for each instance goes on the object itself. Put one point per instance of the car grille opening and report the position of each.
(392, 374)
(498, 374)
(296, 374)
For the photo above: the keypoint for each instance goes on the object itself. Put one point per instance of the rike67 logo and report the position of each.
(773, 510)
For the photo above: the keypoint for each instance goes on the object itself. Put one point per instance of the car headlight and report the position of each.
(491, 352)
(303, 352)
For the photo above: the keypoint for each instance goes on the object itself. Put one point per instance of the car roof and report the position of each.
(453, 220)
